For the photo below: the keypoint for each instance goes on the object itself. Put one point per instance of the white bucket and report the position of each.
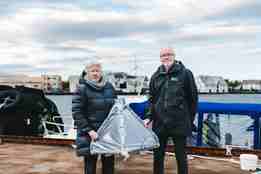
(248, 161)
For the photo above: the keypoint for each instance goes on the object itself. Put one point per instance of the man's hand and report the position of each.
(146, 123)
(93, 135)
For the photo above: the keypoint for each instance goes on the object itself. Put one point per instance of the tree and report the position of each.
(232, 84)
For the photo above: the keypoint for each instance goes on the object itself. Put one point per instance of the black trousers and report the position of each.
(90, 162)
(180, 152)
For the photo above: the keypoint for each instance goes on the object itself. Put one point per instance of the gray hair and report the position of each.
(91, 63)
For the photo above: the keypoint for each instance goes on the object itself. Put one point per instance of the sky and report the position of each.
(218, 37)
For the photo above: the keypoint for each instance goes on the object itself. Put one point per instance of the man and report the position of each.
(173, 103)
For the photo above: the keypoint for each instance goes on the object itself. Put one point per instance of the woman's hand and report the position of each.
(93, 135)
(146, 122)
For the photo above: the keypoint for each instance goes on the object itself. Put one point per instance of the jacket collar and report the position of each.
(176, 67)
(82, 80)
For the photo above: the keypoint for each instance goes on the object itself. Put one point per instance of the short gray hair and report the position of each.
(93, 62)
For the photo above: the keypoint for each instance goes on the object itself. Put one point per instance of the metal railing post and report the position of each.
(256, 131)
(200, 126)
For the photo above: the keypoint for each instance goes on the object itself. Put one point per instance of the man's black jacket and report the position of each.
(173, 100)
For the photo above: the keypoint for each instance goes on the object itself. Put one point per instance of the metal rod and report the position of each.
(200, 126)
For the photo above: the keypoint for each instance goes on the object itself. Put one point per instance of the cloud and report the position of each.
(92, 25)
(21, 69)
(208, 31)
(246, 11)
(60, 36)
(182, 10)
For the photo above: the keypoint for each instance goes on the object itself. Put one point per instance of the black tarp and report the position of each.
(22, 110)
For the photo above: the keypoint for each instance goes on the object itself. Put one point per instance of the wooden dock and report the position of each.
(18, 158)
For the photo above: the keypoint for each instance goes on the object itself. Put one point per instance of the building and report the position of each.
(127, 83)
(21, 80)
(52, 83)
(200, 85)
(73, 81)
(251, 85)
(34, 82)
(47, 83)
(118, 80)
(121, 81)
(13, 80)
(211, 84)
(137, 83)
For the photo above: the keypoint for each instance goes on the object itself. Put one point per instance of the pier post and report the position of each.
(256, 131)
(200, 126)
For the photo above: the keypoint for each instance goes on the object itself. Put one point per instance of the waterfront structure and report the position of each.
(127, 83)
(121, 81)
(47, 83)
(13, 80)
(21, 80)
(34, 82)
(30, 158)
(200, 85)
(211, 84)
(52, 83)
(251, 85)
(73, 82)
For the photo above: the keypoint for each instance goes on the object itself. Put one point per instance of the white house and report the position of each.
(211, 84)
(127, 83)
(251, 84)
(73, 82)
(121, 82)
(52, 83)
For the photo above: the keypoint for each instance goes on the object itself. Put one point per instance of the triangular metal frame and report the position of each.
(122, 132)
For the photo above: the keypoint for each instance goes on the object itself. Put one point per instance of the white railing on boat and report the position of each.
(69, 134)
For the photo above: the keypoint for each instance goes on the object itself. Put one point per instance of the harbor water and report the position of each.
(234, 124)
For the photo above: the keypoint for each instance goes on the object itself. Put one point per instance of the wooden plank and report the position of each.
(36, 140)
(208, 151)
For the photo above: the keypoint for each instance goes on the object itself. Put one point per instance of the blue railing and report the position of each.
(245, 109)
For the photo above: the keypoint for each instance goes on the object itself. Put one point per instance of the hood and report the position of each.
(177, 66)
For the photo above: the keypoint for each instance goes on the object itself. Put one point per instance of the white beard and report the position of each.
(168, 65)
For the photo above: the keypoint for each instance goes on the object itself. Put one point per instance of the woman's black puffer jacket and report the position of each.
(90, 107)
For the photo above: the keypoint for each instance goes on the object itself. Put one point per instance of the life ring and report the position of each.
(9, 99)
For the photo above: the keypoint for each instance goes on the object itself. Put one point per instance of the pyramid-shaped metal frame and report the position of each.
(123, 131)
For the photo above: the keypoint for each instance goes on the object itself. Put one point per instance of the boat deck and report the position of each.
(46, 159)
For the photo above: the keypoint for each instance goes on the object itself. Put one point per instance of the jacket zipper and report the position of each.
(166, 94)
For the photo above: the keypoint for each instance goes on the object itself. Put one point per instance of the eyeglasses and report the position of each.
(167, 55)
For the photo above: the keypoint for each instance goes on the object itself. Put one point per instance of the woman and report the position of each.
(91, 104)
